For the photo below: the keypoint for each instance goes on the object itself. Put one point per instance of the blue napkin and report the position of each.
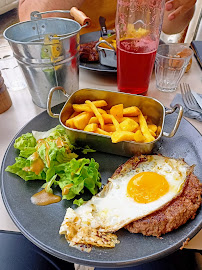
(187, 112)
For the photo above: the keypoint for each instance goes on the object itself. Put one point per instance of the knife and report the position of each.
(103, 26)
(197, 98)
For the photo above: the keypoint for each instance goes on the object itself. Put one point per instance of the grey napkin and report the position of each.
(187, 112)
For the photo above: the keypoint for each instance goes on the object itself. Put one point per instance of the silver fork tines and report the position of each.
(188, 98)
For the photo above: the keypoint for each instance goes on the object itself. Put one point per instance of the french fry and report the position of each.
(70, 123)
(93, 120)
(109, 128)
(103, 132)
(152, 127)
(138, 137)
(131, 111)
(128, 125)
(81, 108)
(114, 43)
(115, 122)
(86, 108)
(152, 133)
(121, 135)
(96, 112)
(99, 103)
(144, 128)
(81, 120)
(91, 127)
(101, 111)
(73, 115)
(117, 111)
(135, 118)
(107, 118)
(158, 130)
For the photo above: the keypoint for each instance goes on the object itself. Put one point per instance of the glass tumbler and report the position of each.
(12, 74)
(170, 65)
(138, 27)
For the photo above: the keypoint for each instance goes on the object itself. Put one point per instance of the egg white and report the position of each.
(113, 208)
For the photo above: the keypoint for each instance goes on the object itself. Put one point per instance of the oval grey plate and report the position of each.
(40, 224)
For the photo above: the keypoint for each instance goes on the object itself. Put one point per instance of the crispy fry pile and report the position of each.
(119, 123)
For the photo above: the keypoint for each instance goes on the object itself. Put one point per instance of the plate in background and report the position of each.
(95, 66)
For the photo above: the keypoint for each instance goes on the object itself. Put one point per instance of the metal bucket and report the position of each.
(47, 52)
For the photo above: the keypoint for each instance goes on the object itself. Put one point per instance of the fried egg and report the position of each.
(137, 189)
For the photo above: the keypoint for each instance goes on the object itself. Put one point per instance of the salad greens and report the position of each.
(48, 156)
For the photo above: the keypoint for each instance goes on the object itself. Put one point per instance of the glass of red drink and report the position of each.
(138, 26)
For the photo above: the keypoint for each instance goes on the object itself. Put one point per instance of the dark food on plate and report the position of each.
(141, 188)
(88, 52)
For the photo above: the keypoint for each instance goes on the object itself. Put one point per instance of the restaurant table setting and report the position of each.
(54, 89)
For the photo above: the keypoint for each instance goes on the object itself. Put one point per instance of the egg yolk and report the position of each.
(146, 187)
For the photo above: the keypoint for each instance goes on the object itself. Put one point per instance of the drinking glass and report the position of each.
(170, 65)
(138, 27)
(12, 73)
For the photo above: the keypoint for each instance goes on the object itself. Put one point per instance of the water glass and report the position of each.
(12, 73)
(170, 65)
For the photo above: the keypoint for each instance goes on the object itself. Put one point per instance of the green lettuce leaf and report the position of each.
(48, 185)
(87, 150)
(63, 157)
(27, 151)
(80, 173)
(26, 144)
(25, 141)
(78, 202)
(17, 168)
(54, 133)
(51, 152)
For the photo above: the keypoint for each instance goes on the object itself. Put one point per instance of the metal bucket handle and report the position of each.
(78, 15)
(50, 95)
(179, 117)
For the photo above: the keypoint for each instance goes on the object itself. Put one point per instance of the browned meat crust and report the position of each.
(174, 214)
(131, 164)
(88, 52)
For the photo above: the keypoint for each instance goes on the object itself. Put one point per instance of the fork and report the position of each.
(188, 98)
